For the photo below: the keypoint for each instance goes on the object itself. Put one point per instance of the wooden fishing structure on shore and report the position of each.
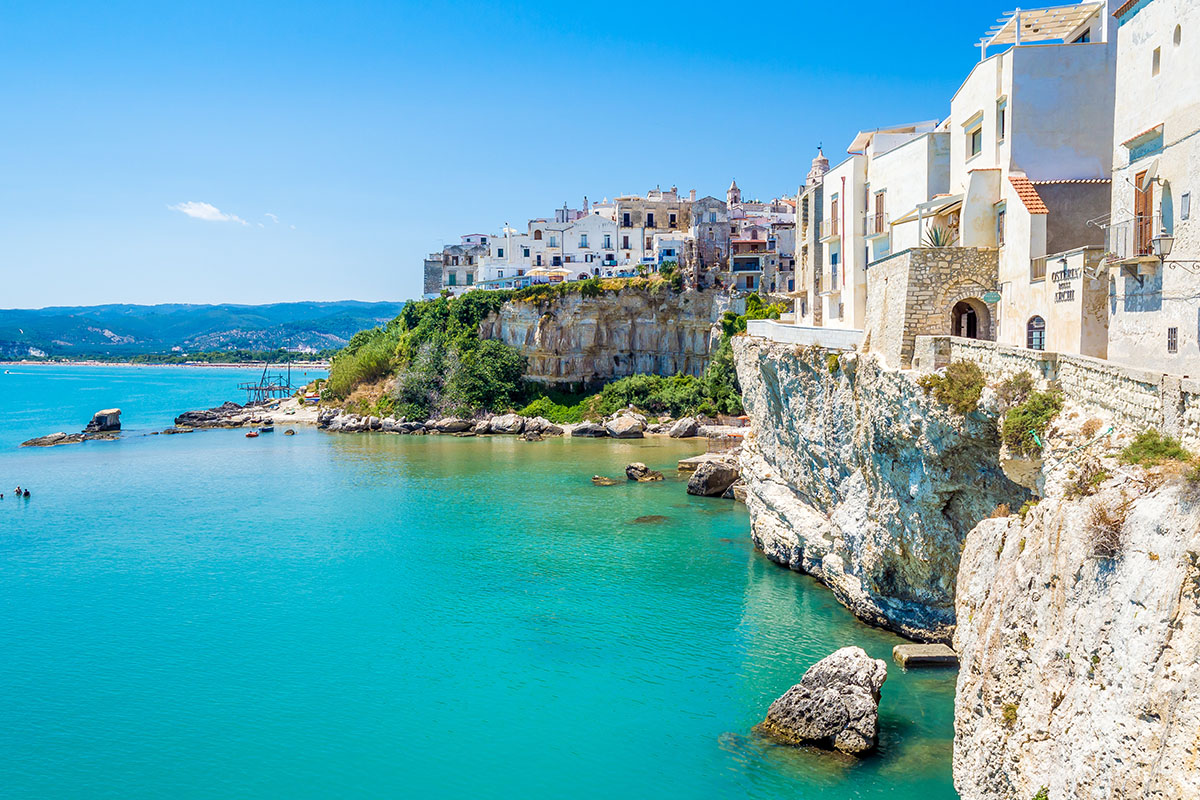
(270, 385)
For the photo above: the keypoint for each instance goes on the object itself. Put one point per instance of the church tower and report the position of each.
(734, 195)
(820, 165)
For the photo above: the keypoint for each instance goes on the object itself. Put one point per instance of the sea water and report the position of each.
(205, 615)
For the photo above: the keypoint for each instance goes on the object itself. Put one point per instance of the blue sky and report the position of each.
(375, 132)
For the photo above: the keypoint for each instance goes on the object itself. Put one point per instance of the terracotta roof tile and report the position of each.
(1028, 194)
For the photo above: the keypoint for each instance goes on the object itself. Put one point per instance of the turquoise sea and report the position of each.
(327, 615)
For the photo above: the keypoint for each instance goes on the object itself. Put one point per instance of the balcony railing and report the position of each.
(1129, 240)
(876, 224)
(829, 228)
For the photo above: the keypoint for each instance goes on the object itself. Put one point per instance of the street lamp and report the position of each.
(1161, 245)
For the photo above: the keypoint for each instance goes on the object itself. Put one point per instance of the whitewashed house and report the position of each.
(1153, 237)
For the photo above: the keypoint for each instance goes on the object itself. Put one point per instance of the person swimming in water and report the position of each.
(27, 493)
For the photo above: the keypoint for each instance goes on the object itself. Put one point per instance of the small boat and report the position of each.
(251, 434)
(267, 429)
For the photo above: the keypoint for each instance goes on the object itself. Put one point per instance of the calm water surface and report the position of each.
(209, 616)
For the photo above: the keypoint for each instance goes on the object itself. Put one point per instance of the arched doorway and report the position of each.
(969, 319)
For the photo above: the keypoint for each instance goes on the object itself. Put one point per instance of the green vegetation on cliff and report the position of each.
(430, 361)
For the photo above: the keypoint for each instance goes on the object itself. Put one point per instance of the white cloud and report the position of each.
(274, 218)
(206, 211)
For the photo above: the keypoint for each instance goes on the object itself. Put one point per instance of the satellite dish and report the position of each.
(1148, 178)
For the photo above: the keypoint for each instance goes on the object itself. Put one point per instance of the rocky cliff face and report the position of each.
(1079, 638)
(573, 339)
(855, 476)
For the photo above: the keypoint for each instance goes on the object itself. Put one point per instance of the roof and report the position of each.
(1071, 180)
(1041, 24)
(1125, 8)
(1028, 194)
(863, 138)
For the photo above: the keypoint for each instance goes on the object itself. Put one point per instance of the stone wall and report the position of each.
(1136, 398)
(913, 293)
(588, 340)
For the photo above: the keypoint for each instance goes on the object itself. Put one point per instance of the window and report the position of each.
(625, 220)
(537, 236)
(624, 242)
(1035, 333)
(673, 221)
(1172, 340)
(649, 243)
(520, 272)
(1083, 38)
(975, 140)
(1185, 205)
(607, 241)
(524, 252)
(500, 273)
(470, 278)
(712, 216)
(1156, 64)
(452, 279)
(499, 252)
(1001, 113)
(1001, 214)
(1178, 35)
(553, 240)
(583, 240)
(649, 220)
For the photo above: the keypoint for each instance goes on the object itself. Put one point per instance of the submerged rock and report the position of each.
(531, 436)
(53, 439)
(712, 479)
(637, 471)
(600, 480)
(835, 704)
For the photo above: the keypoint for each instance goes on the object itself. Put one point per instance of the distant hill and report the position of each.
(129, 330)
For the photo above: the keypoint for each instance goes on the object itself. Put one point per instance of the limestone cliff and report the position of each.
(1079, 639)
(854, 475)
(587, 340)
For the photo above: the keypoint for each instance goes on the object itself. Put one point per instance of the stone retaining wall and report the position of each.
(829, 338)
(1134, 397)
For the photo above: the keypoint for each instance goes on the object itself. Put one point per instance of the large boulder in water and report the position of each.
(684, 428)
(835, 704)
(627, 427)
(712, 478)
(107, 420)
(508, 423)
(589, 429)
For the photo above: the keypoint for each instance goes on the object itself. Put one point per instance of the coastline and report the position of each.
(191, 365)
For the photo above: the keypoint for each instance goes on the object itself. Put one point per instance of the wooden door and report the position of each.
(1143, 215)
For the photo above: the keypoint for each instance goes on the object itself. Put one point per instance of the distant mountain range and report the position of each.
(129, 330)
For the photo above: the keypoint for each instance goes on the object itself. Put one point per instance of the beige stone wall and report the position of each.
(1136, 398)
(913, 293)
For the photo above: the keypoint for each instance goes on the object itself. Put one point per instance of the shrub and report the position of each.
(1015, 389)
(832, 362)
(959, 387)
(1026, 423)
(1151, 448)
(1106, 525)
(1009, 713)
(1025, 508)
(1087, 479)
(1042, 793)
(1000, 511)
(557, 412)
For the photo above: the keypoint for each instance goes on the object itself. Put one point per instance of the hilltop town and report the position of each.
(1048, 209)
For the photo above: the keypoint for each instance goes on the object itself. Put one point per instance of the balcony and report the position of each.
(829, 229)
(876, 224)
(1128, 241)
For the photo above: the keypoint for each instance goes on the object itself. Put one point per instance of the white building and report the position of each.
(1154, 301)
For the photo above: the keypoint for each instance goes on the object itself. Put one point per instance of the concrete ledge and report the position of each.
(829, 338)
(924, 655)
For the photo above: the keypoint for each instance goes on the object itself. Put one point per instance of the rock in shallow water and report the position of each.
(684, 428)
(600, 480)
(589, 429)
(835, 704)
(626, 428)
(711, 479)
(637, 471)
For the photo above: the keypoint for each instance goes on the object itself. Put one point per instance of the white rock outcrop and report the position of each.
(854, 475)
(1080, 666)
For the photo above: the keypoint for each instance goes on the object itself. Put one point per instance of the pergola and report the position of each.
(1029, 26)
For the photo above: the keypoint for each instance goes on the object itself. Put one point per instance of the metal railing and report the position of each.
(829, 228)
(875, 223)
(1129, 240)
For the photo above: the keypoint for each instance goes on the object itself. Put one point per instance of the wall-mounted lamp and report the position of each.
(1161, 245)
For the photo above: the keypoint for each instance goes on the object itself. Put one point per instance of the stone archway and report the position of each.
(970, 318)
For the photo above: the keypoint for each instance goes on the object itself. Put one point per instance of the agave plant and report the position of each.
(939, 236)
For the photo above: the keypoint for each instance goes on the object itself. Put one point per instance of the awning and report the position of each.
(1027, 26)
(930, 208)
